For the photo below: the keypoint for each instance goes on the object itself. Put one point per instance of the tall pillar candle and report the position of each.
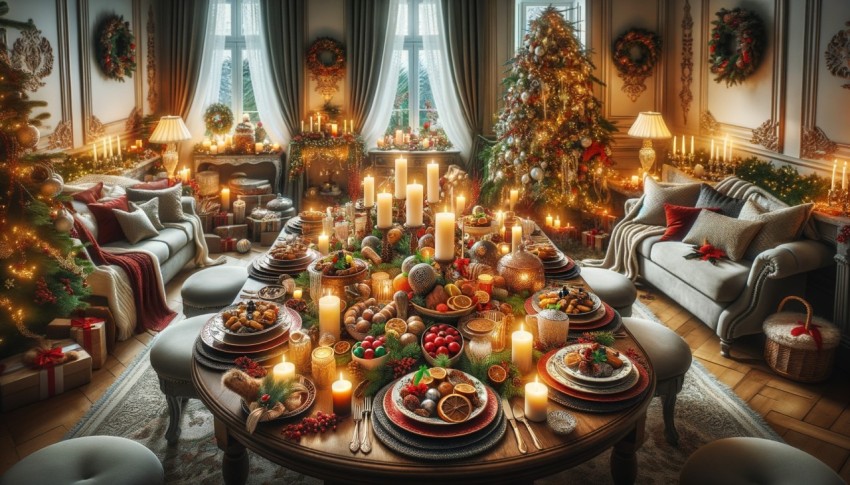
(94, 153)
(385, 210)
(516, 237)
(118, 140)
(460, 204)
(844, 177)
(399, 138)
(549, 219)
(414, 204)
(514, 197)
(239, 212)
(444, 236)
(521, 342)
(831, 186)
(368, 191)
(536, 401)
(692, 146)
(225, 199)
(433, 182)
(323, 244)
(329, 315)
(323, 366)
(400, 178)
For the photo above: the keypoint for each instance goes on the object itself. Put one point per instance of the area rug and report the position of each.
(135, 408)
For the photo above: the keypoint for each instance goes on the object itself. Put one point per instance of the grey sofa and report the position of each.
(733, 298)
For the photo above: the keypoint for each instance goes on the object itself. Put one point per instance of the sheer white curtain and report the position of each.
(257, 53)
(435, 57)
(209, 78)
(378, 118)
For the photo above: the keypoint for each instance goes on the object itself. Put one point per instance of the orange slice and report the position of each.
(454, 408)
(342, 347)
(497, 374)
(482, 296)
(480, 325)
(459, 302)
(466, 390)
(396, 324)
(438, 373)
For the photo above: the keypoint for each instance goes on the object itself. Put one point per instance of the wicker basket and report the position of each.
(798, 357)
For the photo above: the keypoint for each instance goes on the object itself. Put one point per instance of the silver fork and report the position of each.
(354, 445)
(519, 415)
(365, 444)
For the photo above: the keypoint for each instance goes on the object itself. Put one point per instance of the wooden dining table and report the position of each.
(327, 456)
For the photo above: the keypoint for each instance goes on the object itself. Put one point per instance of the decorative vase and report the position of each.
(522, 271)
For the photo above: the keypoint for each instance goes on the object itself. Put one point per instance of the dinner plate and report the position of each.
(235, 338)
(480, 388)
(306, 402)
(271, 292)
(582, 325)
(597, 303)
(557, 374)
(473, 425)
(618, 375)
(634, 391)
(213, 336)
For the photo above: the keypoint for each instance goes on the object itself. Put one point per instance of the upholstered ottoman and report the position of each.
(671, 358)
(94, 460)
(212, 289)
(171, 358)
(739, 461)
(612, 287)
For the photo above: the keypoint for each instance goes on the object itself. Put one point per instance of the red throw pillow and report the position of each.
(90, 195)
(680, 219)
(155, 185)
(108, 228)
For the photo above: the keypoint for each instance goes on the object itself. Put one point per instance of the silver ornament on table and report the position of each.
(537, 174)
(510, 140)
(499, 175)
(525, 179)
(586, 142)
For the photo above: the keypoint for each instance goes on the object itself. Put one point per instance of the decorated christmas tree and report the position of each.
(41, 276)
(552, 141)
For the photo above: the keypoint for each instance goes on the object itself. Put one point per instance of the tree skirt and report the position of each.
(135, 408)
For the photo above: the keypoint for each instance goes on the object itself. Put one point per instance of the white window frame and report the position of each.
(236, 44)
(413, 43)
(573, 10)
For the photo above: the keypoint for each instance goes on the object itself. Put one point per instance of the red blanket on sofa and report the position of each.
(152, 312)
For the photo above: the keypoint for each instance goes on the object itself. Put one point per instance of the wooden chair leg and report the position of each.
(725, 347)
(668, 405)
(175, 411)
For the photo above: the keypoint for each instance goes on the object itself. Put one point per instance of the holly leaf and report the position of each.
(422, 372)
(600, 356)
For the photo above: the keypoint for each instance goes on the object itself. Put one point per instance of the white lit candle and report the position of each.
(118, 142)
(514, 198)
(536, 401)
(323, 244)
(213, 149)
(285, 371)
(341, 391)
(433, 182)
(103, 143)
(94, 154)
(674, 145)
(329, 315)
(351, 125)
(844, 177)
(414, 204)
(399, 138)
(368, 191)
(692, 146)
(635, 180)
(184, 174)
(258, 147)
(311, 124)
(319, 122)
(549, 220)
(109, 146)
(516, 237)
(460, 204)
(400, 178)
(225, 199)
(683, 144)
(558, 222)
(276, 147)
(712, 150)
(228, 141)
(385, 210)
(345, 126)
(444, 236)
(521, 342)
(334, 129)
(297, 293)
(499, 217)
(832, 186)
(302, 126)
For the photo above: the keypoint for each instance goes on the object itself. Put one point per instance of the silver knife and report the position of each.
(509, 415)
(519, 415)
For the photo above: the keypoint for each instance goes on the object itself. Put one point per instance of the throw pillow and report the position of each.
(151, 209)
(90, 195)
(680, 219)
(729, 234)
(108, 228)
(135, 225)
(656, 195)
(780, 226)
(155, 185)
(710, 197)
(170, 205)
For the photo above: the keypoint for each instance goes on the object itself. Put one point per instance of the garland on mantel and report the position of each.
(784, 181)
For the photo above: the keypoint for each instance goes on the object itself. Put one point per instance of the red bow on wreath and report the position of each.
(812, 330)
(462, 264)
(46, 358)
(593, 150)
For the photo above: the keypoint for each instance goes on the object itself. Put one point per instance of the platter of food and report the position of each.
(546, 376)
(575, 301)
(448, 397)
(489, 412)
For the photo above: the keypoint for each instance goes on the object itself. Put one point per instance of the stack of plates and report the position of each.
(300, 227)
(601, 317)
(430, 438)
(217, 347)
(268, 269)
(596, 394)
(561, 267)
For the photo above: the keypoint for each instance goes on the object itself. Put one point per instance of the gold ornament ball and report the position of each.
(394, 235)
(243, 246)
(28, 136)
(52, 186)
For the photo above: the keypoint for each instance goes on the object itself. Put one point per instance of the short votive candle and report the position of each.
(285, 371)
(341, 391)
(324, 366)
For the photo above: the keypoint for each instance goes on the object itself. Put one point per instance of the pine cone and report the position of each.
(356, 370)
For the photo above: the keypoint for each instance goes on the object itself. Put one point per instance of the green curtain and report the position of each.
(465, 28)
(284, 29)
(365, 33)
(183, 28)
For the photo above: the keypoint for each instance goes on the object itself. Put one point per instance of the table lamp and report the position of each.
(649, 125)
(169, 131)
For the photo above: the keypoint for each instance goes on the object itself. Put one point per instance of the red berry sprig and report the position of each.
(43, 294)
(311, 425)
(250, 367)
(402, 367)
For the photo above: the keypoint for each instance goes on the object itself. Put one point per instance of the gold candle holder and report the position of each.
(414, 241)
(300, 348)
(323, 366)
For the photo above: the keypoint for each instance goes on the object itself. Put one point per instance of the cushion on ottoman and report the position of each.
(94, 460)
(171, 353)
(669, 354)
(612, 287)
(214, 287)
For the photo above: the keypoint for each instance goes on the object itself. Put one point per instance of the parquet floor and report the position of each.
(813, 417)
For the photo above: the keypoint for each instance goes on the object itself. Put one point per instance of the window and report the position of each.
(414, 101)
(236, 89)
(528, 10)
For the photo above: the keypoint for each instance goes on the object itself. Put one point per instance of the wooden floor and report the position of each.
(814, 418)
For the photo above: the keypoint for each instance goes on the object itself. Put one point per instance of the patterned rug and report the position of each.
(135, 408)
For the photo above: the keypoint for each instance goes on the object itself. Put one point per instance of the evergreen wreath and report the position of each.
(336, 69)
(648, 45)
(116, 48)
(736, 45)
(218, 119)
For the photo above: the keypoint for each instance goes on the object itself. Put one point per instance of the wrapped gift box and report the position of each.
(595, 238)
(90, 332)
(222, 219)
(270, 222)
(213, 243)
(21, 385)
(255, 201)
(236, 231)
(600, 242)
(228, 244)
(268, 238)
(206, 222)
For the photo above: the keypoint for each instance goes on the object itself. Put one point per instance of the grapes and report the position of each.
(319, 424)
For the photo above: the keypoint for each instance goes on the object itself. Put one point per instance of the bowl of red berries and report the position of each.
(371, 352)
(442, 339)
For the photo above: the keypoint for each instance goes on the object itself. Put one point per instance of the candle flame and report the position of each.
(535, 380)
(340, 376)
(522, 327)
(283, 359)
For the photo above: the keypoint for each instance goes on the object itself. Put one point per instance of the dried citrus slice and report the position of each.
(427, 380)
(497, 374)
(466, 390)
(459, 302)
(482, 296)
(342, 347)
(396, 324)
(452, 289)
(480, 325)
(437, 373)
(454, 408)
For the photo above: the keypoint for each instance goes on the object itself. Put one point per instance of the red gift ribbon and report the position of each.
(86, 323)
(48, 358)
(812, 330)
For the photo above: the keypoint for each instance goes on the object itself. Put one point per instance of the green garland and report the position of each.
(783, 182)
(298, 164)
(218, 118)
(479, 368)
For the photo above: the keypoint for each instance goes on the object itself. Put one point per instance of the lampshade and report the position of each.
(171, 129)
(649, 125)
